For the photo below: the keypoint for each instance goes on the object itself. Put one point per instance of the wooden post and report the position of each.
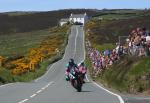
(41, 59)
(32, 65)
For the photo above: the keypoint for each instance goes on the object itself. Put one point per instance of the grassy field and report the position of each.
(121, 14)
(20, 43)
(118, 16)
(130, 74)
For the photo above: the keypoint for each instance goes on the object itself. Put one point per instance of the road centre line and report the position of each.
(23, 101)
(33, 95)
(39, 91)
(46, 86)
(43, 88)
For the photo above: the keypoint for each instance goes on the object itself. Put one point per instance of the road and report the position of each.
(52, 87)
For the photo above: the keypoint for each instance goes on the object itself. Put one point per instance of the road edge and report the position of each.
(118, 96)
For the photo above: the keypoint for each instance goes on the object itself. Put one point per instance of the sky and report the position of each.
(48, 5)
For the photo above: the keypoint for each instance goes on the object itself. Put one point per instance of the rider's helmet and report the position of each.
(71, 61)
(82, 64)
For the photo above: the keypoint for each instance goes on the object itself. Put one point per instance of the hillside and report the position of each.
(107, 31)
(130, 74)
(29, 21)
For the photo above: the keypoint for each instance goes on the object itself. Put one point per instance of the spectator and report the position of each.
(138, 44)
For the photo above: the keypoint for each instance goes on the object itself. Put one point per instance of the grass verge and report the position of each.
(7, 77)
(129, 75)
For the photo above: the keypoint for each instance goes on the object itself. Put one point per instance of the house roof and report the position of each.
(64, 20)
(77, 15)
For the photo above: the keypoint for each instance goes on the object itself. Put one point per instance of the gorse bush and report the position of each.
(30, 61)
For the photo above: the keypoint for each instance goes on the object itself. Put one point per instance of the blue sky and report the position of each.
(47, 5)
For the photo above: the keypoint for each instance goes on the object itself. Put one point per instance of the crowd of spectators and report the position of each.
(101, 60)
(137, 44)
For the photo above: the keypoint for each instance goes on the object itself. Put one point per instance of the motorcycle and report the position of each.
(76, 80)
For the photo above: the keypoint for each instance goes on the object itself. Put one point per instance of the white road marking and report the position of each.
(48, 84)
(46, 72)
(43, 88)
(118, 96)
(87, 78)
(39, 91)
(84, 54)
(6, 85)
(33, 95)
(23, 101)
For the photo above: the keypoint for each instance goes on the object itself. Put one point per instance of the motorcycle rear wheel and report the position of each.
(79, 88)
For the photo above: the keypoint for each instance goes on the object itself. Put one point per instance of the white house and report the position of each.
(75, 18)
(63, 21)
(78, 18)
